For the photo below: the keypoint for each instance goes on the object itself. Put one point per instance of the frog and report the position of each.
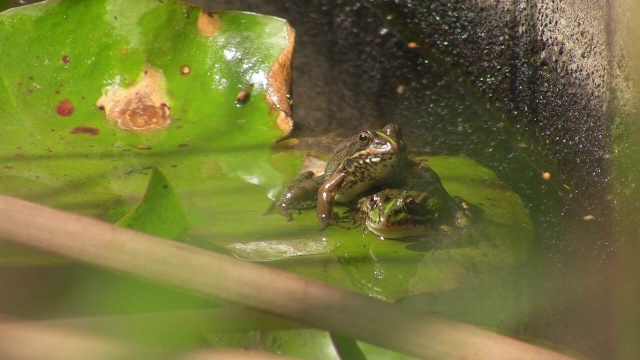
(363, 162)
(403, 213)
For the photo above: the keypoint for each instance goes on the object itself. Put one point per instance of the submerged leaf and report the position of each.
(159, 212)
(279, 249)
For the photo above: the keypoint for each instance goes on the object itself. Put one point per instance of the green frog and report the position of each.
(370, 160)
(400, 213)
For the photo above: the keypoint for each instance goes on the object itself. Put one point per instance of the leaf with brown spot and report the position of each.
(140, 107)
(147, 83)
(208, 23)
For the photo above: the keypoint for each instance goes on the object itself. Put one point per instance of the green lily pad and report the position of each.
(499, 241)
(58, 93)
(159, 212)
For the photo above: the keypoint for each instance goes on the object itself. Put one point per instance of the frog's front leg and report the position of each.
(326, 196)
(301, 193)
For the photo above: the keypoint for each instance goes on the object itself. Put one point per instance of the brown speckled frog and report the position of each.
(361, 165)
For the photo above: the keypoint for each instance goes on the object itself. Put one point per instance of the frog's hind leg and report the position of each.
(301, 193)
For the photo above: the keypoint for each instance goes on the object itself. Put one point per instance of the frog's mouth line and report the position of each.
(396, 231)
(369, 161)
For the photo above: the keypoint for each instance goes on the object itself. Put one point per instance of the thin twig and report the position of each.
(256, 286)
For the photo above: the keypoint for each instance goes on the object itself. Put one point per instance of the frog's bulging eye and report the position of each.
(373, 200)
(364, 138)
(409, 201)
(393, 131)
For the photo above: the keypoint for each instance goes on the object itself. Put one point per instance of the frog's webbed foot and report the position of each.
(283, 210)
(340, 221)
(353, 212)
(350, 220)
(466, 214)
(287, 213)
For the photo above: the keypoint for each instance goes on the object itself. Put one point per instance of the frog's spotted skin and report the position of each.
(369, 159)
(378, 158)
(363, 164)
(397, 213)
(400, 213)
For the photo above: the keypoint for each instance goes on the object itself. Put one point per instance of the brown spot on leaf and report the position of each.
(208, 23)
(8, 167)
(183, 145)
(140, 107)
(87, 130)
(244, 95)
(279, 85)
(65, 108)
(185, 70)
(143, 147)
(66, 59)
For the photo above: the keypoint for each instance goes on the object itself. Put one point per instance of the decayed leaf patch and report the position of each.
(140, 107)
(279, 84)
(208, 23)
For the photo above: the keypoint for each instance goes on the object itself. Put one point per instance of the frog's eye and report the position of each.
(373, 200)
(364, 138)
(409, 201)
(393, 131)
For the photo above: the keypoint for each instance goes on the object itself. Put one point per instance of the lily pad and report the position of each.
(159, 212)
(499, 241)
(75, 139)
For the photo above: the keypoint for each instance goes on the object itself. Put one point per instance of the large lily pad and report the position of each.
(60, 149)
(390, 269)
